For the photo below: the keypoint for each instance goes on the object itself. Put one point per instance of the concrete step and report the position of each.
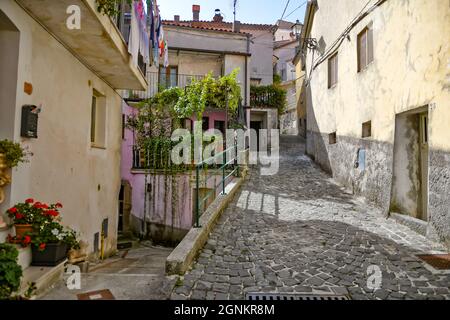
(42, 277)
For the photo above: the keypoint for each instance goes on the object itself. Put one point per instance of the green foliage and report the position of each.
(14, 153)
(160, 115)
(271, 96)
(276, 78)
(109, 7)
(209, 92)
(10, 271)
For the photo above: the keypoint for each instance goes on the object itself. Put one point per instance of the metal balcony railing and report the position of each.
(158, 82)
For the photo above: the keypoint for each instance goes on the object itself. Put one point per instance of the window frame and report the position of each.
(333, 67)
(369, 48)
(167, 77)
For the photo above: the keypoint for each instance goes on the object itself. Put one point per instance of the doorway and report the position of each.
(257, 126)
(123, 221)
(410, 175)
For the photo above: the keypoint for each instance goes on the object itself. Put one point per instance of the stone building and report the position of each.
(68, 74)
(377, 97)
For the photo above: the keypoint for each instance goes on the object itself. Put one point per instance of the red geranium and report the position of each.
(19, 216)
(58, 205)
(29, 200)
(42, 246)
(12, 210)
(26, 241)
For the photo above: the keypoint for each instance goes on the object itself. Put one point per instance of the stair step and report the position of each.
(43, 278)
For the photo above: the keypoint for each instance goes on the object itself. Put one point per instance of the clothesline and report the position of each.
(147, 34)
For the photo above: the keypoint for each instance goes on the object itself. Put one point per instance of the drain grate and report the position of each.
(260, 296)
(437, 261)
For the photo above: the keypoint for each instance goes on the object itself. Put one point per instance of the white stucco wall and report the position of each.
(64, 167)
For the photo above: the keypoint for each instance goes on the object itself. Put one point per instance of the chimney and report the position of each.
(196, 12)
(176, 18)
(236, 26)
(217, 16)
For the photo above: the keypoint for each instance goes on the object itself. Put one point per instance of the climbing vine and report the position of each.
(159, 116)
(110, 7)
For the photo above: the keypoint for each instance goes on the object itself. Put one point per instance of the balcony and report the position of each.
(98, 44)
(160, 81)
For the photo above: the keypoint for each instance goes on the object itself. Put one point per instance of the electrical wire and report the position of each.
(296, 9)
(285, 8)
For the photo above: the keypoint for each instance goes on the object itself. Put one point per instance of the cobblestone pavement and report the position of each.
(298, 231)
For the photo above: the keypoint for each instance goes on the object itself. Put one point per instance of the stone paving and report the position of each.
(299, 232)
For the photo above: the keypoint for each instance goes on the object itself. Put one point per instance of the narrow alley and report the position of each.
(298, 231)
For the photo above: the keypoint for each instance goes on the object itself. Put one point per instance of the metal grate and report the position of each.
(437, 261)
(259, 296)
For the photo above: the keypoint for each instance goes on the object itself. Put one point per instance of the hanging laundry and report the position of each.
(134, 37)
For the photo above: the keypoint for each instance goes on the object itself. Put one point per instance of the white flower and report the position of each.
(55, 232)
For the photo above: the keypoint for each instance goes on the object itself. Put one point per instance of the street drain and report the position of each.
(437, 261)
(259, 296)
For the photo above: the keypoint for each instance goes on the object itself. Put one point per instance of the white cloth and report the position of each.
(134, 37)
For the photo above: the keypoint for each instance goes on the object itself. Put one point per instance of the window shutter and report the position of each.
(370, 45)
(363, 50)
(336, 78)
(330, 66)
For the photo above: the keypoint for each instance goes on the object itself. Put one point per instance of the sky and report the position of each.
(249, 11)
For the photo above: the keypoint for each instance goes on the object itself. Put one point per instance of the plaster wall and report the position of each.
(410, 70)
(64, 167)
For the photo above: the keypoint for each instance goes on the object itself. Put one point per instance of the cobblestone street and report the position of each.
(298, 231)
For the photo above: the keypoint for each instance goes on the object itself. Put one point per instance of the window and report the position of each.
(367, 129)
(124, 117)
(332, 139)
(365, 48)
(205, 123)
(219, 125)
(333, 70)
(98, 120)
(168, 77)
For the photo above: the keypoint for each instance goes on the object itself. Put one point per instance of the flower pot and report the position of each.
(52, 255)
(22, 229)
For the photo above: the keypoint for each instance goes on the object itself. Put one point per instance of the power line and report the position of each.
(285, 8)
(296, 9)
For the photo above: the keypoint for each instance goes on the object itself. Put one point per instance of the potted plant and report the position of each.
(10, 271)
(50, 240)
(13, 153)
(23, 216)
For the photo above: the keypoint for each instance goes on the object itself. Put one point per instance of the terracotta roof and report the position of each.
(176, 24)
(220, 26)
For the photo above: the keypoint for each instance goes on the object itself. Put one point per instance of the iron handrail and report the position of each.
(223, 167)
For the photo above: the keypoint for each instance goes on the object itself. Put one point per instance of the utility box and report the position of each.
(29, 124)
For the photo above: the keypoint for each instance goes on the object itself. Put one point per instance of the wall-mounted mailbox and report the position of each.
(29, 124)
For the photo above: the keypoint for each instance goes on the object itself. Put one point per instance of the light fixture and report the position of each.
(297, 29)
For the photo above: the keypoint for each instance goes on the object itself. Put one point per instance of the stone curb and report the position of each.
(182, 257)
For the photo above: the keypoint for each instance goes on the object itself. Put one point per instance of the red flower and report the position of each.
(12, 210)
(58, 205)
(37, 205)
(42, 246)
(26, 241)
(29, 200)
(19, 216)
(52, 213)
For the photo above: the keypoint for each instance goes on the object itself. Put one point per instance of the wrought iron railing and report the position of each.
(228, 168)
(158, 82)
